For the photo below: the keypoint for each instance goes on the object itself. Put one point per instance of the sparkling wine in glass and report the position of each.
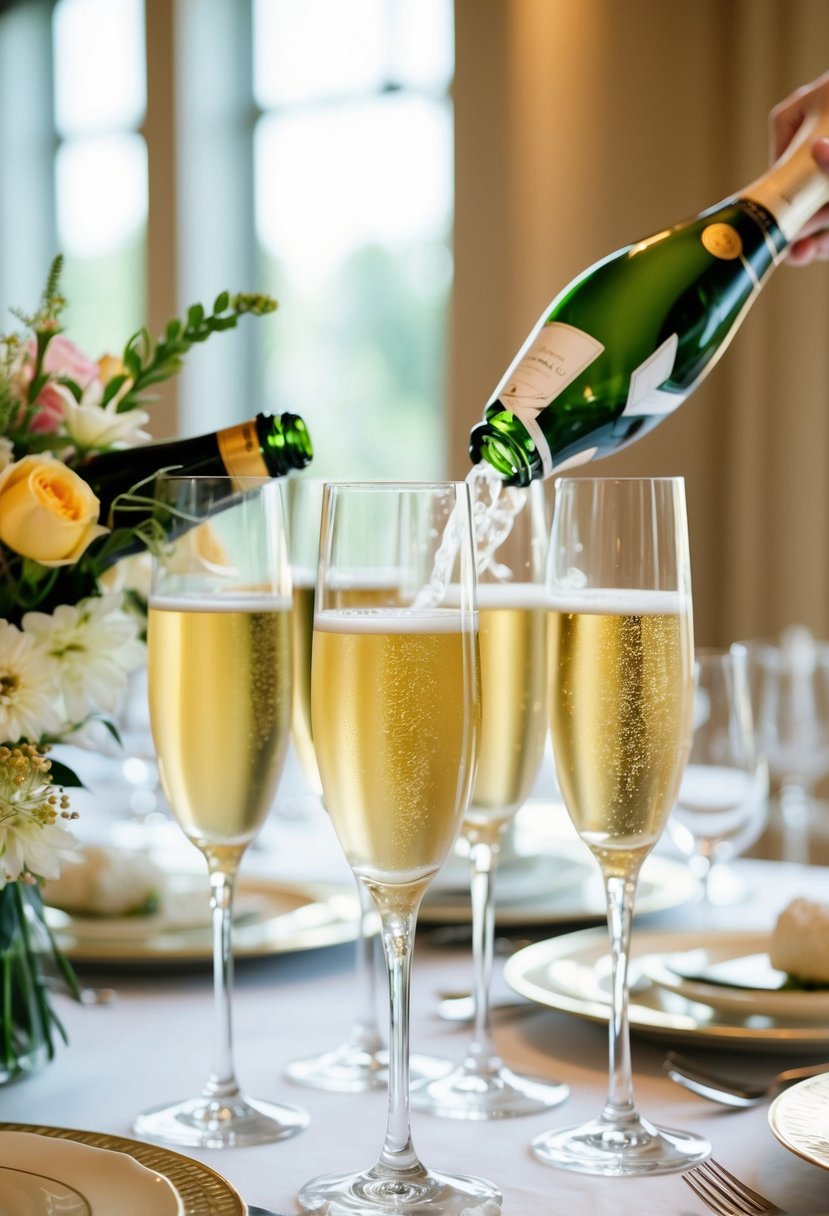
(621, 697)
(512, 632)
(395, 708)
(360, 1061)
(219, 664)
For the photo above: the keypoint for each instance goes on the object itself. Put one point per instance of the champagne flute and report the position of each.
(621, 696)
(360, 1062)
(722, 803)
(395, 708)
(219, 664)
(512, 617)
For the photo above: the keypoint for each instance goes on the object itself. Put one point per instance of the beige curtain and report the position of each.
(585, 124)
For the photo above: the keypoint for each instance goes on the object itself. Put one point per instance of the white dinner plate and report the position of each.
(111, 1174)
(271, 918)
(684, 973)
(572, 893)
(571, 973)
(40, 1176)
(797, 1117)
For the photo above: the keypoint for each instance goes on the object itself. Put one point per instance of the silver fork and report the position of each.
(725, 1194)
(729, 1092)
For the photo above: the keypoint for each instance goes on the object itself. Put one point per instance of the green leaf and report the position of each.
(173, 330)
(113, 386)
(63, 775)
(195, 316)
(221, 302)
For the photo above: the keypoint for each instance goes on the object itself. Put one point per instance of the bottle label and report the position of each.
(557, 355)
(553, 359)
(644, 394)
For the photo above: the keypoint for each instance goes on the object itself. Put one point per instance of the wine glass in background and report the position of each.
(360, 1062)
(790, 692)
(722, 805)
(219, 670)
(622, 681)
(395, 709)
(512, 631)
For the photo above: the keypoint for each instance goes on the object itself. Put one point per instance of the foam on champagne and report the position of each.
(512, 595)
(265, 602)
(618, 601)
(393, 620)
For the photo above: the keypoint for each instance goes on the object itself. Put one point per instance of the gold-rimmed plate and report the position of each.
(198, 1190)
(797, 1117)
(571, 973)
(274, 918)
(562, 885)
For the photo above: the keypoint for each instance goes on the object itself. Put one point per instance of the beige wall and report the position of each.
(585, 124)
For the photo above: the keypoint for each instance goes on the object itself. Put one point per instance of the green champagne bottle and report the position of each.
(631, 337)
(265, 446)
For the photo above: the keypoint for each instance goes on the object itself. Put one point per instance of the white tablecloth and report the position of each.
(154, 1044)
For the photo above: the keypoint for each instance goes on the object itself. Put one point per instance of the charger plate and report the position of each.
(797, 1117)
(571, 973)
(272, 918)
(201, 1191)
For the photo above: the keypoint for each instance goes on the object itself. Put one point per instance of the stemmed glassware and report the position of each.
(722, 803)
(621, 675)
(395, 709)
(219, 664)
(791, 698)
(511, 596)
(360, 1061)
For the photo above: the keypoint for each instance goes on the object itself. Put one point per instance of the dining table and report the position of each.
(152, 1043)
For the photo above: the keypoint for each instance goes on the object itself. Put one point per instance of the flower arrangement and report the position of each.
(68, 636)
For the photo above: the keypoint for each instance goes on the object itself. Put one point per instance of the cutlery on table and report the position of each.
(725, 1194)
(728, 1091)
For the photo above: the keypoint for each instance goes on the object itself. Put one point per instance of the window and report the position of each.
(309, 153)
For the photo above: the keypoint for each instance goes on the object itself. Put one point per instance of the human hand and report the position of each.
(786, 118)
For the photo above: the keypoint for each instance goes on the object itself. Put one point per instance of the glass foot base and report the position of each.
(627, 1148)
(220, 1123)
(417, 1192)
(353, 1069)
(499, 1094)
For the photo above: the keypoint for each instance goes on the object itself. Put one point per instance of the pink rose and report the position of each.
(62, 358)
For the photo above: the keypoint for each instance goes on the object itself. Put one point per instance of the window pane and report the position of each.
(99, 65)
(101, 186)
(317, 48)
(424, 39)
(102, 193)
(354, 210)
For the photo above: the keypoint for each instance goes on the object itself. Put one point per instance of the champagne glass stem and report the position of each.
(398, 1152)
(222, 1082)
(366, 1031)
(795, 812)
(483, 858)
(620, 893)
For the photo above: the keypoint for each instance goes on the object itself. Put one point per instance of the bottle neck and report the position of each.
(240, 451)
(794, 188)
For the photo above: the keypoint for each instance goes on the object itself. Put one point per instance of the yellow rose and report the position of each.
(47, 512)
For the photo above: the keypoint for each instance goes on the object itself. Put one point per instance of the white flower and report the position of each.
(31, 838)
(89, 425)
(6, 452)
(28, 694)
(92, 645)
